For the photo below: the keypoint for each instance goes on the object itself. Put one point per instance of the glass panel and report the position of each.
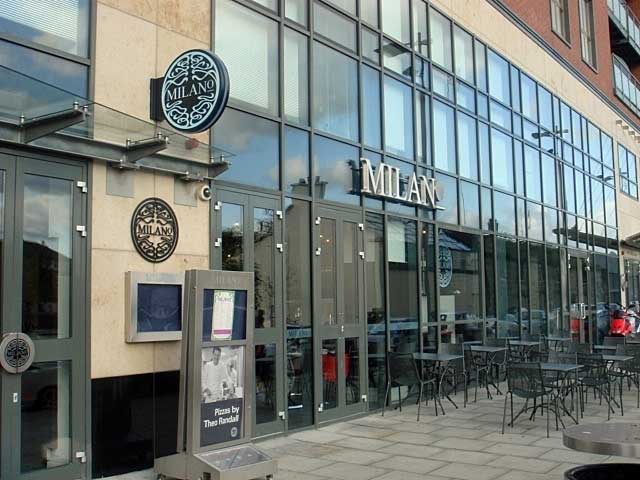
(296, 10)
(329, 374)
(250, 52)
(534, 220)
(481, 65)
(440, 28)
(296, 96)
(507, 292)
(371, 107)
(532, 170)
(257, 149)
(347, 5)
(352, 370)
(549, 179)
(334, 26)
(469, 205)
(515, 88)
(335, 99)
(264, 268)
(524, 284)
(490, 283)
(443, 84)
(545, 108)
(397, 58)
(483, 153)
(406, 170)
(403, 284)
(538, 318)
(298, 313)
(59, 24)
(463, 53)
(551, 225)
(459, 257)
(47, 257)
(420, 34)
(266, 396)
(398, 117)
(270, 4)
(369, 11)
(487, 210)
(428, 271)
(328, 274)
(216, 327)
(45, 417)
(395, 19)
(370, 45)
(498, 77)
(296, 161)
(350, 278)
(529, 98)
(554, 279)
(333, 170)
(505, 219)
(449, 199)
(518, 159)
(376, 313)
(502, 159)
(232, 237)
(444, 148)
(500, 115)
(465, 96)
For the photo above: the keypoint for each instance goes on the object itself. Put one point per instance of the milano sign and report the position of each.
(387, 182)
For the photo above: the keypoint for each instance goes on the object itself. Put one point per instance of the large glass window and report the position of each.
(469, 205)
(529, 98)
(502, 159)
(444, 147)
(554, 279)
(369, 11)
(440, 28)
(505, 216)
(538, 312)
(59, 24)
(498, 77)
(296, 96)
(398, 118)
(250, 52)
(628, 172)
(371, 107)
(395, 19)
(335, 98)
(463, 53)
(507, 288)
(376, 311)
(532, 173)
(402, 252)
(256, 145)
(467, 149)
(296, 177)
(333, 170)
(549, 179)
(334, 26)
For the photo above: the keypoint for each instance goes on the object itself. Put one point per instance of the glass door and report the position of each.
(579, 293)
(248, 237)
(43, 252)
(340, 321)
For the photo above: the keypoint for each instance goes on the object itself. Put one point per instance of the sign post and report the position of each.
(216, 378)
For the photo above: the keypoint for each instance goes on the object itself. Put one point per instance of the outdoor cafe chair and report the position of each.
(454, 370)
(477, 369)
(500, 358)
(632, 367)
(403, 372)
(594, 375)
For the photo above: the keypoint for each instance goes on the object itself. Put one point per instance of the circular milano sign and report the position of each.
(446, 266)
(16, 352)
(195, 91)
(154, 230)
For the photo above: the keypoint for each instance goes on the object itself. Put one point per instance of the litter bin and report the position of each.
(604, 471)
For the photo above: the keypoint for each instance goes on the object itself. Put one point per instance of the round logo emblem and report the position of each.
(234, 432)
(17, 352)
(446, 266)
(195, 91)
(154, 230)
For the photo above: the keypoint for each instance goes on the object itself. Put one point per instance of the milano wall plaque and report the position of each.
(193, 93)
(154, 230)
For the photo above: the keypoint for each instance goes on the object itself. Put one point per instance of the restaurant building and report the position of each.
(396, 173)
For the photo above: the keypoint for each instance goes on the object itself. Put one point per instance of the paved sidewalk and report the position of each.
(464, 444)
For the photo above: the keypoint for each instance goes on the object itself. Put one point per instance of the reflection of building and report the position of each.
(531, 145)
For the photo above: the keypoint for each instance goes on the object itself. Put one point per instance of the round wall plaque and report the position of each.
(16, 352)
(154, 230)
(195, 91)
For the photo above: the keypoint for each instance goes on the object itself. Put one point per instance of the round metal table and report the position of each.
(621, 439)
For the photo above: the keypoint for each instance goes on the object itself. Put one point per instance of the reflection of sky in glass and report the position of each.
(333, 173)
(296, 161)
(254, 142)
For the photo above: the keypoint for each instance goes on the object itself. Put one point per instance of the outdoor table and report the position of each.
(558, 340)
(621, 439)
(605, 347)
(565, 369)
(438, 359)
(526, 346)
(489, 354)
(617, 358)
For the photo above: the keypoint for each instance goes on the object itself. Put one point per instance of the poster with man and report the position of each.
(222, 394)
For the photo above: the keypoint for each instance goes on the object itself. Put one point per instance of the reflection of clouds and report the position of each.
(296, 168)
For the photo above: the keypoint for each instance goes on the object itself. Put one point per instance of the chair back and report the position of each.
(632, 365)
(568, 358)
(525, 380)
(594, 368)
(553, 357)
(403, 370)
(613, 341)
(454, 349)
(576, 347)
(500, 357)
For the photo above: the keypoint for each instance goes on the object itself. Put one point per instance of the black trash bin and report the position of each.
(604, 471)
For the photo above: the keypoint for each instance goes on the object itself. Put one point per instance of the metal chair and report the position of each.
(478, 369)
(525, 380)
(595, 375)
(455, 370)
(499, 359)
(613, 341)
(403, 372)
(632, 367)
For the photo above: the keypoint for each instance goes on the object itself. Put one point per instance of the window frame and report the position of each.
(587, 33)
(559, 13)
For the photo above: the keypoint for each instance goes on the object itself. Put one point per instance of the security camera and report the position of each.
(204, 193)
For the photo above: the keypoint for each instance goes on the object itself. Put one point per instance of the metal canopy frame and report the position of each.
(34, 128)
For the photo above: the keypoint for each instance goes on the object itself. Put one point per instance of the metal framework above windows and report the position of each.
(34, 128)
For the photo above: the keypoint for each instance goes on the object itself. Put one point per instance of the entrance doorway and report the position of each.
(42, 254)
(248, 237)
(340, 322)
(581, 303)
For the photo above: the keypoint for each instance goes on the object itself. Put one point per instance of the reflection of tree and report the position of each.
(232, 249)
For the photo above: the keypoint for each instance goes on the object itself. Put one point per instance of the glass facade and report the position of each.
(525, 181)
